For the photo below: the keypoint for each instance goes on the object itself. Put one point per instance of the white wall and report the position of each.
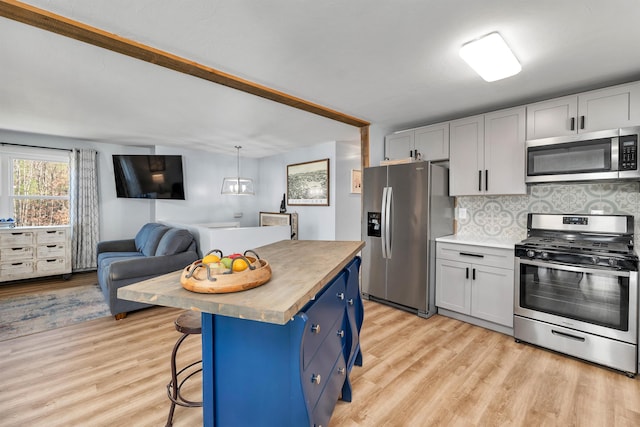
(203, 174)
(348, 205)
(121, 218)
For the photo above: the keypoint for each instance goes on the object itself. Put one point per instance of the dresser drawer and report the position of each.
(8, 270)
(16, 254)
(322, 314)
(17, 238)
(50, 236)
(51, 251)
(52, 266)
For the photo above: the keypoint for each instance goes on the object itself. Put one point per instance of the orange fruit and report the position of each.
(240, 265)
(210, 258)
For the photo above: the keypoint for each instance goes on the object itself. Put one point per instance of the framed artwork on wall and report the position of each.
(356, 181)
(308, 183)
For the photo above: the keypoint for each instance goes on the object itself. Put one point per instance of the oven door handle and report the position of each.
(574, 268)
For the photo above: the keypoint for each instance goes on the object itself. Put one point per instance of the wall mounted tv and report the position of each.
(141, 176)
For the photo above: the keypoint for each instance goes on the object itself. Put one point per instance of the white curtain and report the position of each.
(84, 209)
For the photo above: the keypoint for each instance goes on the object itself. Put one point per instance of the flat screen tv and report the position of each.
(142, 176)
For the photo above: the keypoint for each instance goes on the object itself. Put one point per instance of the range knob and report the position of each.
(544, 255)
(531, 253)
(613, 262)
(595, 259)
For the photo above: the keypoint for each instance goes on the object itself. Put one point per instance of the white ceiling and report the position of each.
(392, 63)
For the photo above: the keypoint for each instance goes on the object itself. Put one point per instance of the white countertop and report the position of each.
(493, 242)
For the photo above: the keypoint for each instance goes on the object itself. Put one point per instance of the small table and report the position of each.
(260, 332)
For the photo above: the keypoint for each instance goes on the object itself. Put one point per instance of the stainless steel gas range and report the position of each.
(576, 288)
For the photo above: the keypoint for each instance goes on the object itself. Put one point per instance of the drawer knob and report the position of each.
(340, 296)
(341, 371)
(350, 301)
(315, 378)
(341, 333)
(315, 329)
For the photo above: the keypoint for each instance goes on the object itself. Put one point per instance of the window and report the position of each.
(35, 187)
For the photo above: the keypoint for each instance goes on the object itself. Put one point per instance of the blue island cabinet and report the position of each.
(264, 374)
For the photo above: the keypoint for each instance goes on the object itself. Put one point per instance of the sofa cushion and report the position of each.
(151, 245)
(143, 235)
(174, 242)
(107, 257)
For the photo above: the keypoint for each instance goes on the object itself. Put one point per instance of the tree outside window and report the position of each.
(40, 192)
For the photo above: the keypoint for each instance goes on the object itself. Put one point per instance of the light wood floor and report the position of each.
(417, 372)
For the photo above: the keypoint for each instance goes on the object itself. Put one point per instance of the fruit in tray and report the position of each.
(218, 264)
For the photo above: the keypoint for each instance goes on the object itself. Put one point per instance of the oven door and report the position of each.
(595, 300)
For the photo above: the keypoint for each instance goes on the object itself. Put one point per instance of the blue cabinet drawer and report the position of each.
(327, 401)
(320, 369)
(321, 314)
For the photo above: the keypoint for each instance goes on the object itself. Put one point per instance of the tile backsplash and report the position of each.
(506, 216)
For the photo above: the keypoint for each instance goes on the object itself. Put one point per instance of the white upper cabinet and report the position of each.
(466, 149)
(609, 108)
(504, 151)
(399, 145)
(488, 154)
(432, 142)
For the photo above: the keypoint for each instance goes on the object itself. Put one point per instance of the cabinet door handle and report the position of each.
(315, 329)
(350, 301)
(341, 371)
(467, 271)
(581, 122)
(316, 378)
(340, 296)
(486, 180)
(474, 274)
(573, 123)
(479, 180)
(341, 333)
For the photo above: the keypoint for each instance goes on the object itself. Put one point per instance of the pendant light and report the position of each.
(236, 185)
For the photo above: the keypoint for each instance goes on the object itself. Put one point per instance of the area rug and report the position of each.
(42, 311)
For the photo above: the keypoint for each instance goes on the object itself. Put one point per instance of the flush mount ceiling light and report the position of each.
(236, 185)
(490, 57)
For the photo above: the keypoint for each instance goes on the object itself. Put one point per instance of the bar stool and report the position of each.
(188, 323)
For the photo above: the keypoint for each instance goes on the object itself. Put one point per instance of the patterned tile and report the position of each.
(491, 216)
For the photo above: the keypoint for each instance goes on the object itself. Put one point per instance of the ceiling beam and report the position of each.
(58, 24)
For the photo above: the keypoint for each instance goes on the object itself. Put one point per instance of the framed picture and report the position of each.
(308, 183)
(356, 181)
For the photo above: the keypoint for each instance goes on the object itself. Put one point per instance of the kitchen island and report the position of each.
(279, 354)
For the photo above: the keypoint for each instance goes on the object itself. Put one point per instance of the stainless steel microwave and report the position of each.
(602, 155)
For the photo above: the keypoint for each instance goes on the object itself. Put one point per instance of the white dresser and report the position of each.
(27, 252)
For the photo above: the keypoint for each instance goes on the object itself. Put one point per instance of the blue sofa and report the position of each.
(157, 249)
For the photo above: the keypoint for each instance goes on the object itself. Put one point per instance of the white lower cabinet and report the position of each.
(27, 252)
(476, 281)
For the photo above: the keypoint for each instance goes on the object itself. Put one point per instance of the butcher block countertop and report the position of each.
(299, 269)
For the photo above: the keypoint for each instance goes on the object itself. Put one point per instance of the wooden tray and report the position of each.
(194, 278)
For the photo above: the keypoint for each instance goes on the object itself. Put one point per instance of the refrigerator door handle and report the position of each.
(383, 220)
(389, 221)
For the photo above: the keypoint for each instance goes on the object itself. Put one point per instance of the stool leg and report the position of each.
(173, 385)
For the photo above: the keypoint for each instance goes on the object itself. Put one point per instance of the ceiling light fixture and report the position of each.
(236, 185)
(490, 57)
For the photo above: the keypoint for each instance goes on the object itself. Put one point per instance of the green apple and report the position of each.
(226, 261)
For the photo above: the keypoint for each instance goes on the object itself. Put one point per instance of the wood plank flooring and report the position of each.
(417, 372)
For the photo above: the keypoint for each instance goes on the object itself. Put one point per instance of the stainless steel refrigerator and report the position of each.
(406, 207)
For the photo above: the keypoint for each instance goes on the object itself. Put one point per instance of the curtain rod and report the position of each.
(34, 146)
